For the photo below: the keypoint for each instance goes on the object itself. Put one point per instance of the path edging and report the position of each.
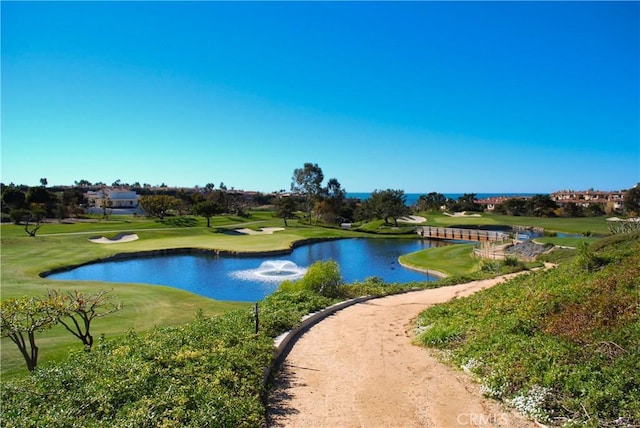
(284, 342)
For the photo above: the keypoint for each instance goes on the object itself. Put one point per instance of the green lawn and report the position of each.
(582, 225)
(57, 245)
(449, 260)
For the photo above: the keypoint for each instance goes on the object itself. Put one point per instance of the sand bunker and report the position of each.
(262, 231)
(123, 237)
(637, 219)
(412, 219)
(463, 214)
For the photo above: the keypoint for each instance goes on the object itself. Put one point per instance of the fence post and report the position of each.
(256, 316)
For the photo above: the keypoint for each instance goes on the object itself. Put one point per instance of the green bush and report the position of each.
(322, 277)
(207, 373)
(284, 309)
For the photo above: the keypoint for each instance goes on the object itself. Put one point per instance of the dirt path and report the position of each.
(358, 368)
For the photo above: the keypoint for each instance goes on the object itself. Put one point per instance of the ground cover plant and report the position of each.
(217, 359)
(561, 345)
(59, 245)
(209, 372)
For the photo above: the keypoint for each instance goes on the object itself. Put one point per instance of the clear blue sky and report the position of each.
(420, 96)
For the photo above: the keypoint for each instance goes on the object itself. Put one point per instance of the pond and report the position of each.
(252, 278)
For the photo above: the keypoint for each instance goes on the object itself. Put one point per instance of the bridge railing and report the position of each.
(460, 234)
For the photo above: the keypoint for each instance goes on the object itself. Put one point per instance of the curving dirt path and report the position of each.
(358, 368)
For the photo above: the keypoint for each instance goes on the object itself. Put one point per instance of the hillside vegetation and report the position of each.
(561, 346)
(158, 366)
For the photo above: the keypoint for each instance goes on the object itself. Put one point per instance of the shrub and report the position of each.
(207, 373)
(322, 277)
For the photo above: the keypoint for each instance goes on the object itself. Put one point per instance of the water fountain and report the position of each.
(271, 271)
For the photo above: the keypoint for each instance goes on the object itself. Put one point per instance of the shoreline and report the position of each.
(436, 273)
(187, 250)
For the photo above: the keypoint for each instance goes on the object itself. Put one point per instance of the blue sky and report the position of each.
(420, 96)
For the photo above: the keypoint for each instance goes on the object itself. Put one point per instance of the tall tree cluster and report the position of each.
(388, 205)
(327, 202)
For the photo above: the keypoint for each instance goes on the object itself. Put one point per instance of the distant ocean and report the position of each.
(413, 197)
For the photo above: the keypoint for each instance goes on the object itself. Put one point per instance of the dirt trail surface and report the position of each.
(358, 368)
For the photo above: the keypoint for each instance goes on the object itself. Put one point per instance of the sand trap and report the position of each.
(262, 231)
(637, 219)
(463, 214)
(412, 219)
(123, 237)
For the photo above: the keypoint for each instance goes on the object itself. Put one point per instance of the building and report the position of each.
(613, 200)
(490, 204)
(114, 198)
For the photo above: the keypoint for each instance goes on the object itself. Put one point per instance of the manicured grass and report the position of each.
(581, 225)
(450, 260)
(60, 245)
(23, 258)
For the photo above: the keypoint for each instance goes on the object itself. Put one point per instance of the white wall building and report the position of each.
(113, 198)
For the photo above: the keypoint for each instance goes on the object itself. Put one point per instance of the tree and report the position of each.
(43, 182)
(236, 203)
(13, 198)
(286, 208)
(333, 203)
(467, 202)
(542, 206)
(632, 200)
(572, 209)
(513, 207)
(36, 215)
(72, 200)
(18, 215)
(82, 183)
(158, 205)
(105, 202)
(431, 202)
(43, 198)
(385, 205)
(207, 209)
(307, 181)
(76, 310)
(21, 319)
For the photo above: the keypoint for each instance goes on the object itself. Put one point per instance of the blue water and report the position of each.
(217, 277)
(412, 198)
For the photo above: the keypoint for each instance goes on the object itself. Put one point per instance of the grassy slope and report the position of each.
(562, 343)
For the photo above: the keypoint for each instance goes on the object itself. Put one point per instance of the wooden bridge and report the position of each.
(459, 234)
